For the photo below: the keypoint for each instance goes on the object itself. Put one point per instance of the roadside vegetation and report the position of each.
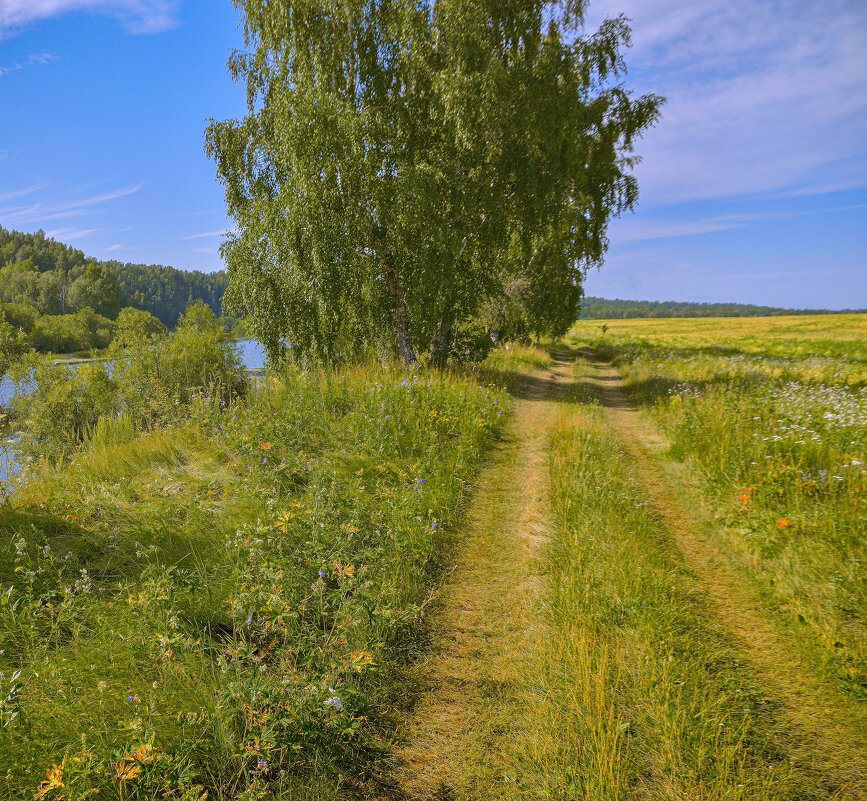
(218, 600)
(773, 415)
(636, 692)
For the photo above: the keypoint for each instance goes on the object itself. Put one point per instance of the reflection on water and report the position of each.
(252, 357)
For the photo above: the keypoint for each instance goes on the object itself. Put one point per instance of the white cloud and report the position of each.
(37, 213)
(762, 96)
(206, 235)
(642, 228)
(113, 247)
(68, 234)
(138, 16)
(31, 60)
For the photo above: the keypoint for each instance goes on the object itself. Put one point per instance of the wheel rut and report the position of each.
(483, 621)
(828, 739)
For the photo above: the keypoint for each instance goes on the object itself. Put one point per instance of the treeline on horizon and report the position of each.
(66, 302)
(593, 308)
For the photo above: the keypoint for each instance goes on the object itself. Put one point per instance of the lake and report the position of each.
(252, 357)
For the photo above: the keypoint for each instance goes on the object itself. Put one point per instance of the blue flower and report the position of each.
(434, 525)
(322, 574)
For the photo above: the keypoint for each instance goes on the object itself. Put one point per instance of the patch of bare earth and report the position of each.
(829, 739)
(483, 623)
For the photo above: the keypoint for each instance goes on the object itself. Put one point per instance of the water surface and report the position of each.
(252, 358)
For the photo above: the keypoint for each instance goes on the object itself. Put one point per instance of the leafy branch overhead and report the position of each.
(406, 170)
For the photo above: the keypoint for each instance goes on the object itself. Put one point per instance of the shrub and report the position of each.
(59, 404)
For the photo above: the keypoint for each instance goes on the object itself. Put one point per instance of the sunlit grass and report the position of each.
(230, 599)
(777, 427)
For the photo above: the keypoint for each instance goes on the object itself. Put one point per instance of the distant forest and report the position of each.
(602, 309)
(66, 302)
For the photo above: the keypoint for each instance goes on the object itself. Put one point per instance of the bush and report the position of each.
(159, 377)
(13, 345)
(19, 315)
(58, 405)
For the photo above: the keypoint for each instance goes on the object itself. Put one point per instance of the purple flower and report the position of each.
(434, 525)
(322, 574)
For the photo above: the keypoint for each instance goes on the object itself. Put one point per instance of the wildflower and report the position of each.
(124, 772)
(53, 782)
(782, 523)
(334, 701)
(265, 445)
(434, 525)
(322, 574)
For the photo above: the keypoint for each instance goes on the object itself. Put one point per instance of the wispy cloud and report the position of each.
(30, 61)
(138, 16)
(762, 97)
(5, 197)
(641, 229)
(205, 235)
(38, 213)
(111, 248)
(68, 234)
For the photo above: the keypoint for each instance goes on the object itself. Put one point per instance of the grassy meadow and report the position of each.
(772, 413)
(238, 603)
(219, 608)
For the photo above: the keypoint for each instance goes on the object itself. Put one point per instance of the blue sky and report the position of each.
(753, 186)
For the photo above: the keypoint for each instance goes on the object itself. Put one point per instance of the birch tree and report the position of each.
(400, 163)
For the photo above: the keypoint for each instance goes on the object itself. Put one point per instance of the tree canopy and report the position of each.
(53, 293)
(401, 164)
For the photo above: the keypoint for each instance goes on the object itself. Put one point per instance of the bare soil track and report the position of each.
(829, 739)
(484, 621)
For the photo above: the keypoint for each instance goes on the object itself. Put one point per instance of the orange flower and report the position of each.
(782, 523)
(53, 782)
(124, 772)
(265, 445)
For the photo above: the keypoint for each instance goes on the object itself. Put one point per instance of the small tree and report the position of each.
(13, 345)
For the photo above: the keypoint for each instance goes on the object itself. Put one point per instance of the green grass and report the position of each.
(225, 606)
(779, 439)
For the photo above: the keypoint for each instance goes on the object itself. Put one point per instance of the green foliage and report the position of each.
(159, 377)
(603, 309)
(153, 380)
(210, 589)
(401, 163)
(72, 333)
(19, 315)
(95, 289)
(57, 405)
(13, 345)
(136, 326)
(166, 292)
(41, 278)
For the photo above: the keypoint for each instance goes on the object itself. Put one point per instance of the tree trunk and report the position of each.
(399, 318)
(439, 354)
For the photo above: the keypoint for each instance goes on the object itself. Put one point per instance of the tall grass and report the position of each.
(635, 692)
(222, 606)
(781, 440)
